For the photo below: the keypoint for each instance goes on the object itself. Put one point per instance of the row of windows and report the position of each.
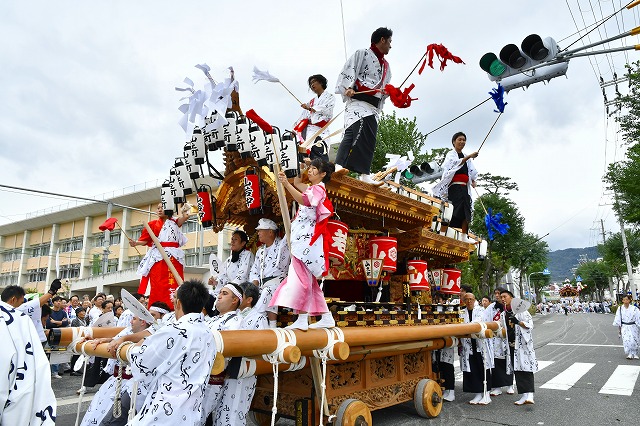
(11, 255)
(72, 244)
(8, 279)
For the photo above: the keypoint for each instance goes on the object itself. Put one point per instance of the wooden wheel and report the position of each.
(353, 412)
(428, 398)
(262, 419)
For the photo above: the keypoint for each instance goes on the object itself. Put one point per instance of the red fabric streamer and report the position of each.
(251, 114)
(108, 225)
(443, 55)
(400, 98)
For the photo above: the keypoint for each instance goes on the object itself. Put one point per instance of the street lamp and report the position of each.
(544, 272)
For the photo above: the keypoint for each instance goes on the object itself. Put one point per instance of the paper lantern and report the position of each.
(205, 210)
(418, 275)
(338, 243)
(253, 191)
(451, 281)
(372, 270)
(385, 248)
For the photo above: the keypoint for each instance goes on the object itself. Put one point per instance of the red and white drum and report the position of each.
(338, 243)
(451, 281)
(385, 248)
(418, 275)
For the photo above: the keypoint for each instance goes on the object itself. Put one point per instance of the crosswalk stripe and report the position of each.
(622, 381)
(569, 377)
(544, 364)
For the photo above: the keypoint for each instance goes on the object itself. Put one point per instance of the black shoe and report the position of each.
(68, 371)
(75, 373)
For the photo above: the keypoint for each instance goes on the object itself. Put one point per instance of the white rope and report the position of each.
(217, 337)
(134, 396)
(334, 335)
(284, 338)
(117, 403)
(82, 388)
(482, 333)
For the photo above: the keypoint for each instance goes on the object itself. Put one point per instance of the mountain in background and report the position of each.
(561, 262)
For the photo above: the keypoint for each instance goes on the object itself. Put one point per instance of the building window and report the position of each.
(41, 250)
(135, 233)
(114, 238)
(112, 265)
(190, 226)
(98, 240)
(10, 255)
(70, 271)
(8, 279)
(72, 244)
(37, 275)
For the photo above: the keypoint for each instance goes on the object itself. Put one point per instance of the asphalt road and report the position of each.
(579, 354)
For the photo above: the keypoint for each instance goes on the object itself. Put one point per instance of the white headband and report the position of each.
(235, 291)
(157, 309)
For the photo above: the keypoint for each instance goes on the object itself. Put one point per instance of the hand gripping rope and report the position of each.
(285, 339)
(334, 335)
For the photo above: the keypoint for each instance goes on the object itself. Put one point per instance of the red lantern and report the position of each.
(418, 275)
(205, 210)
(338, 243)
(253, 191)
(385, 248)
(451, 281)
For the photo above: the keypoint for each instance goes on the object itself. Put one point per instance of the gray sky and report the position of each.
(89, 104)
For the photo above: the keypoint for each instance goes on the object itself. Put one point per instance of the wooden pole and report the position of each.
(163, 253)
(294, 96)
(282, 198)
(310, 140)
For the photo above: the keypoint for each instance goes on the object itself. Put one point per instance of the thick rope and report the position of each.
(117, 403)
(134, 396)
(82, 388)
(285, 338)
(334, 335)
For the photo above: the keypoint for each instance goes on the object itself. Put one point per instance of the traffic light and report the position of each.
(536, 60)
(423, 172)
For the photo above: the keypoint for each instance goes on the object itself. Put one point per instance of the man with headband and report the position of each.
(228, 306)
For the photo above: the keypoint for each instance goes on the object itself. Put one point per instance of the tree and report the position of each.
(501, 249)
(623, 177)
(612, 252)
(495, 184)
(595, 277)
(529, 256)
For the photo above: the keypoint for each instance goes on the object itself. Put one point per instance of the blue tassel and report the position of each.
(492, 222)
(498, 97)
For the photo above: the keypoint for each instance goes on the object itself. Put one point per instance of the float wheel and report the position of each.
(428, 398)
(353, 412)
(262, 419)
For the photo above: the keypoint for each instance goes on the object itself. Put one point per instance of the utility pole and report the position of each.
(604, 240)
(625, 248)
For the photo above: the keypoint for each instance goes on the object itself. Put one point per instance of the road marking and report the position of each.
(547, 322)
(569, 377)
(622, 381)
(544, 364)
(585, 345)
(73, 400)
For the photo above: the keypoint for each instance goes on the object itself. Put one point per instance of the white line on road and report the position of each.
(569, 377)
(544, 364)
(73, 400)
(584, 344)
(622, 381)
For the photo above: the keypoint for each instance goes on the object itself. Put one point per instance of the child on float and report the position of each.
(309, 248)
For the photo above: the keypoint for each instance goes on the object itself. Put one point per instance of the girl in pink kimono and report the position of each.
(309, 247)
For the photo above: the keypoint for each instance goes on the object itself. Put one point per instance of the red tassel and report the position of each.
(424, 63)
(443, 55)
(400, 98)
(251, 114)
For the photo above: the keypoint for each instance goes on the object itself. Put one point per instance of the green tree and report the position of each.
(530, 256)
(623, 177)
(595, 277)
(500, 250)
(612, 252)
(496, 184)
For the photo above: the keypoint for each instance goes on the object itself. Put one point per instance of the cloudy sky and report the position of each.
(89, 107)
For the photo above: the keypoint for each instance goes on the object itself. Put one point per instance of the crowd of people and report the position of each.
(574, 306)
(489, 366)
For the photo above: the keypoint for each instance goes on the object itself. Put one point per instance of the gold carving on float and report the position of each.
(344, 375)
(383, 368)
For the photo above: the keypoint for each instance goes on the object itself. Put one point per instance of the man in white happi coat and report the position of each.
(270, 266)
(175, 362)
(102, 404)
(228, 318)
(522, 356)
(627, 319)
(238, 264)
(500, 380)
(26, 397)
(318, 112)
(237, 393)
(361, 84)
(476, 360)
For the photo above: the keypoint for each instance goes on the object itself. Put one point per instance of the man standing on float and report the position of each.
(361, 84)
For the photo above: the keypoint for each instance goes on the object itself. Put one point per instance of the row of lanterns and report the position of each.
(241, 135)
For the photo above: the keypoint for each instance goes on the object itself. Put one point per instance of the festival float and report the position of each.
(390, 249)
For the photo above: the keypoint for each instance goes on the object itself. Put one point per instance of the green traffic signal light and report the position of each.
(407, 174)
(492, 65)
